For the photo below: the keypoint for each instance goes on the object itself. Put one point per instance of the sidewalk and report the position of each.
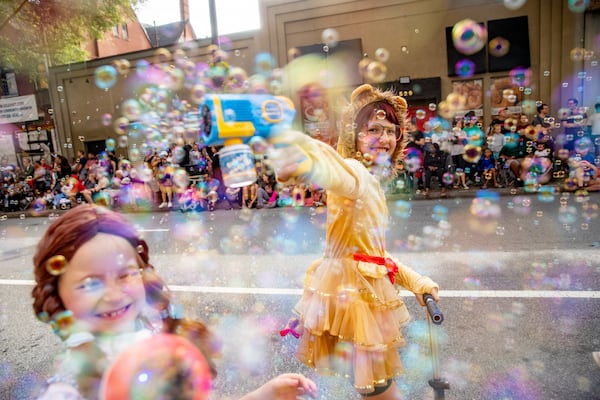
(434, 194)
(471, 192)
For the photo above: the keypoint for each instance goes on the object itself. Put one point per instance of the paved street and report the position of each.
(520, 279)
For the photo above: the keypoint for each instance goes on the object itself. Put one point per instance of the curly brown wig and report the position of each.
(363, 101)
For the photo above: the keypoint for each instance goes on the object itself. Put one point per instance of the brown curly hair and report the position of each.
(67, 234)
(64, 237)
(363, 101)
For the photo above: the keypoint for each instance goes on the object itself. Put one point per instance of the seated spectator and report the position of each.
(234, 197)
(299, 194)
(27, 172)
(514, 151)
(542, 118)
(413, 159)
(285, 198)
(582, 164)
(42, 179)
(458, 140)
(61, 166)
(250, 195)
(199, 161)
(495, 139)
(487, 168)
(5, 166)
(62, 199)
(123, 191)
(538, 166)
(96, 185)
(266, 193)
(165, 171)
(583, 175)
(16, 195)
(149, 173)
(209, 192)
(48, 198)
(190, 199)
(561, 164)
(318, 195)
(11, 196)
(7, 172)
(266, 197)
(436, 163)
(573, 120)
(522, 123)
(542, 150)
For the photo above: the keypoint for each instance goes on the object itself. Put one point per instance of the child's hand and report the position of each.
(433, 293)
(286, 156)
(585, 164)
(285, 387)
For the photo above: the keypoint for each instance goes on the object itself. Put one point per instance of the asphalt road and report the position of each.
(520, 279)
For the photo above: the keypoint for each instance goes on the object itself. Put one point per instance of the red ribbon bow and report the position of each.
(390, 265)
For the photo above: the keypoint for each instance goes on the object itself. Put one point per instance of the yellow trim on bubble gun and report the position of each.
(231, 132)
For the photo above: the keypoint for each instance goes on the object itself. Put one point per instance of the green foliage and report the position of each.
(33, 32)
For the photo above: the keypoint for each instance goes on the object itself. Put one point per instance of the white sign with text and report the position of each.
(18, 109)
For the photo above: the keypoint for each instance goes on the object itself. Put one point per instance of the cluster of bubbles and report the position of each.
(167, 94)
(371, 69)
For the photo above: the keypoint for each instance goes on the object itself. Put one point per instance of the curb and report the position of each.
(472, 192)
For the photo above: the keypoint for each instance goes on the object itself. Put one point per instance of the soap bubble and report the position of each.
(468, 36)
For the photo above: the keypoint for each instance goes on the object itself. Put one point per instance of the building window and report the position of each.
(125, 32)
(115, 30)
(246, 17)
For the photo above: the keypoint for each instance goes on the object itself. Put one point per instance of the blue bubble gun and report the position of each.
(229, 119)
(233, 119)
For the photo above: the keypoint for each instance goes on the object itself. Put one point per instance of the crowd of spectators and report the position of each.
(185, 178)
(513, 151)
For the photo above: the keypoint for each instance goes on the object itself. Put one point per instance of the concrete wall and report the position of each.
(417, 26)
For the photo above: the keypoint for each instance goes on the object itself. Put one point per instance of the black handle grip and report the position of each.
(434, 312)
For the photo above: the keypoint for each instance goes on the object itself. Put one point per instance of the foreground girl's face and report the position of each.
(378, 137)
(102, 286)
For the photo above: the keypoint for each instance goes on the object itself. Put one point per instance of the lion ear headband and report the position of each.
(366, 94)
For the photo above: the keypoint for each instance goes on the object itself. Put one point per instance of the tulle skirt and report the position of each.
(351, 324)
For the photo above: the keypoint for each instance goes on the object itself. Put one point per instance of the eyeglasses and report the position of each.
(376, 131)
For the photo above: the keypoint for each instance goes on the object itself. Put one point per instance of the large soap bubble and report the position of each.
(105, 76)
(468, 36)
(161, 366)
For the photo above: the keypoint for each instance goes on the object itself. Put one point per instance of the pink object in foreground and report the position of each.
(161, 365)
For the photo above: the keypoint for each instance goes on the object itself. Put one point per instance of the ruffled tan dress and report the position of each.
(350, 310)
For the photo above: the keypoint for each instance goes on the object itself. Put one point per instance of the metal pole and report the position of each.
(214, 29)
(438, 384)
(435, 316)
